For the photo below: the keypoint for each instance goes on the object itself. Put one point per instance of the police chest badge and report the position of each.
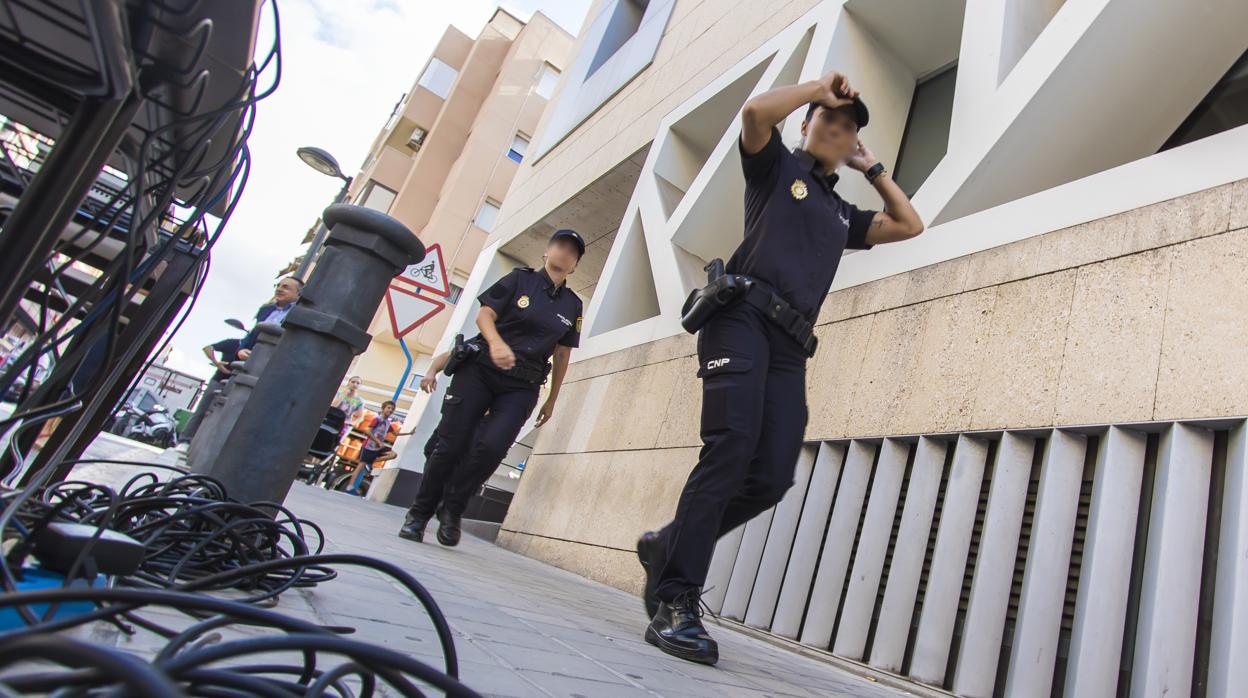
(798, 189)
(523, 302)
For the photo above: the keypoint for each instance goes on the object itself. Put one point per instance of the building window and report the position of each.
(625, 20)
(438, 78)
(1224, 108)
(486, 215)
(376, 197)
(456, 292)
(519, 146)
(417, 138)
(926, 138)
(547, 81)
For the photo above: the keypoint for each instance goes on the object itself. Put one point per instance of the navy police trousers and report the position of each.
(753, 419)
(469, 444)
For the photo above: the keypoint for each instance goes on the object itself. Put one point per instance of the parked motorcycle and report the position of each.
(154, 426)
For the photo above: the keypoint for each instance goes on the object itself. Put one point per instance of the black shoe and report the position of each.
(650, 554)
(677, 630)
(448, 528)
(413, 528)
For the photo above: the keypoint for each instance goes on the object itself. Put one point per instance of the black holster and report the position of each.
(726, 289)
(720, 291)
(461, 353)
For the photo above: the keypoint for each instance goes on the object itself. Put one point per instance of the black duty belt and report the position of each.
(778, 310)
(472, 350)
(528, 373)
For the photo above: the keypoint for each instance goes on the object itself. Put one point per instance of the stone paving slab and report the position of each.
(522, 628)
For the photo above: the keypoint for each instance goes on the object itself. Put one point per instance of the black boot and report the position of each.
(677, 630)
(413, 528)
(650, 554)
(448, 528)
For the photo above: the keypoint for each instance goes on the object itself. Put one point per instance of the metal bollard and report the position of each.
(228, 404)
(264, 451)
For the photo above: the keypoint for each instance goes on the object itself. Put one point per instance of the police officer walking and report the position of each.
(754, 346)
(525, 318)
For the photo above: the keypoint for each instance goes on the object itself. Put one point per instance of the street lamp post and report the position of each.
(321, 161)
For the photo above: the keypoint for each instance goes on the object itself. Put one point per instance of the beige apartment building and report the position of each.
(1026, 470)
(444, 161)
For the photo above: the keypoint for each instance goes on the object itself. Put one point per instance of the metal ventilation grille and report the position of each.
(1097, 561)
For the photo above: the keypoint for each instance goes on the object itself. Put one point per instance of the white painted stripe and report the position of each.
(877, 528)
(741, 584)
(779, 542)
(792, 604)
(976, 673)
(825, 597)
(722, 562)
(897, 611)
(1105, 574)
(1036, 633)
(1228, 650)
(1170, 592)
(944, 582)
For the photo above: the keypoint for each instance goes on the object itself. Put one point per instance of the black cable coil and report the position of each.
(197, 540)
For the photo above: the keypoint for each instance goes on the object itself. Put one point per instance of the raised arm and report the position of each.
(898, 221)
(766, 110)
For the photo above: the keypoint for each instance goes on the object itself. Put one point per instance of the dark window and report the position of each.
(926, 137)
(624, 23)
(1224, 108)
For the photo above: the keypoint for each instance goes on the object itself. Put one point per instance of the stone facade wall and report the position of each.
(1136, 317)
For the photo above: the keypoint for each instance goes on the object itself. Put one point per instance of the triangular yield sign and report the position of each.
(409, 309)
(429, 273)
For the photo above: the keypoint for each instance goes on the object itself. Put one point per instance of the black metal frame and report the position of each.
(100, 273)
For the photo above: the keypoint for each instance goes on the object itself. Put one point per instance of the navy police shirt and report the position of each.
(796, 225)
(534, 314)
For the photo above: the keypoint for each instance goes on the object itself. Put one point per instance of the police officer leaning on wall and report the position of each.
(525, 318)
(754, 347)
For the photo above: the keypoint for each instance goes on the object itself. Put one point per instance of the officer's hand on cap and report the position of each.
(429, 383)
(501, 355)
(836, 91)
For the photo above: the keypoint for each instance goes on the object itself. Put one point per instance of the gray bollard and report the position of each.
(229, 403)
(264, 451)
(212, 419)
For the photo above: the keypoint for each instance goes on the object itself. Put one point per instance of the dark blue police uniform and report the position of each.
(753, 371)
(485, 407)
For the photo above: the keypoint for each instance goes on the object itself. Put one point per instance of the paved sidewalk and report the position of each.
(522, 628)
(525, 628)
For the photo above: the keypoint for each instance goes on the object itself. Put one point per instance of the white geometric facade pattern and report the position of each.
(1058, 113)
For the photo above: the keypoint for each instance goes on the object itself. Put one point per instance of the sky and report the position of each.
(344, 66)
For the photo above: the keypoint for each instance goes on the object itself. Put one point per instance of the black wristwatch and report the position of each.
(874, 171)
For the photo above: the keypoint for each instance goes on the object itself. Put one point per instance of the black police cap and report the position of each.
(575, 237)
(861, 115)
